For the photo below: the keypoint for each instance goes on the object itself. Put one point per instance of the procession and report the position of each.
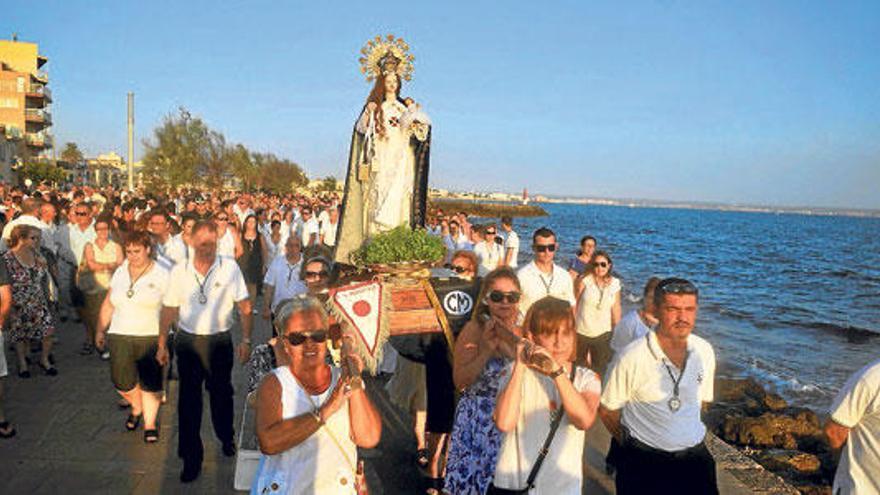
(302, 319)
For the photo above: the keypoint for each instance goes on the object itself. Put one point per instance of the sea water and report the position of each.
(790, 299)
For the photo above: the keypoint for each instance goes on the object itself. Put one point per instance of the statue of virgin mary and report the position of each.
(387, 180)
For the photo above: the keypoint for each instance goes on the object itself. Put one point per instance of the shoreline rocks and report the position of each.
(786, 440)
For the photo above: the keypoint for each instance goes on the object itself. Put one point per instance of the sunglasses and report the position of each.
(540, 248)
(458, 268)
(81, 213)
(603, 264)
(316, 336)
(677, 286)
(496, 296)
(222, 219)
(319, 274)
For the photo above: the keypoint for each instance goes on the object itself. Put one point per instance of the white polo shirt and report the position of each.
(536, 285)
(629, 329)
(306, 229)
(488, 257)
(137, 315)
(284, 277)
(512, 242)
(223, 287)
(857, 406)
(639, 383)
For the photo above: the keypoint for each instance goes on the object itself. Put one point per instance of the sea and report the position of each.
(792, 300)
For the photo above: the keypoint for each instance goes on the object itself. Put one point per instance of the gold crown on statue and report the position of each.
(382, 56)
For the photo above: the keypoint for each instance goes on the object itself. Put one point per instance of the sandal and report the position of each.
(151, 435)
(434, 486)
(422, 458)
(6, 430)
(49, 370)
(133, 421)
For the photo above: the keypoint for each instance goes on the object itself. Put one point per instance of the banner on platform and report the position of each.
(360, 305)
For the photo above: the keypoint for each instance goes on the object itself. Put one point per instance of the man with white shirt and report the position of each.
(329, 227)
(282, 279)
(30, 209)
(200, 300)
(653, 398)
(511, 243)
(308, 228)
(542, 277)
(638, 322)
(854, 425)
(158, 227)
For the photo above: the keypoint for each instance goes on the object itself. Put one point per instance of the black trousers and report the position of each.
(599, 349)
(642, 469)
(203, 360)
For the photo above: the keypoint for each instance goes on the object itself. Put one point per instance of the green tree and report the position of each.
(243, 166)
(178, 152)
(39, 171)
(71, 154)
(280, 175)
(328, 184)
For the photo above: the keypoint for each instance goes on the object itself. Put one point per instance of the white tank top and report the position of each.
(594, 307)
(317, 465)
(226, 244)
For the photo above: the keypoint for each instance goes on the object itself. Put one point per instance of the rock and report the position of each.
(795, 460)
(774, 402)
(737, 389)
(769, 430)
(814, 489)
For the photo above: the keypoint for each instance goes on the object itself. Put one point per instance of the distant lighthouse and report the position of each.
(525, 196)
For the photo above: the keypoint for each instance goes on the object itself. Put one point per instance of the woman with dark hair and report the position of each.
(597, 293)
(253, 258)
(129, 326)
(543, 383)
(482, 352)
(101, 257)
(580, 264)
(31, 317)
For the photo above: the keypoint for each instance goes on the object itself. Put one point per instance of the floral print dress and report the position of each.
(30, 318)
(475, 441)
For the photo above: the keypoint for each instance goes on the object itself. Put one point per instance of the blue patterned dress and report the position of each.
(475, 441)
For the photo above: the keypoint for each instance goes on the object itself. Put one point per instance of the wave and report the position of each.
(853, 333)
(784, 384)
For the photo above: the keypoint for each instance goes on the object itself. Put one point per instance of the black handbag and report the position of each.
(530, 481)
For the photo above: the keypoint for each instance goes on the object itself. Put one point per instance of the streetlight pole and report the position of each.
(130, 141)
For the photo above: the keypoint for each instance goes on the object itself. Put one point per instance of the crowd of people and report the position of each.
(545, 352)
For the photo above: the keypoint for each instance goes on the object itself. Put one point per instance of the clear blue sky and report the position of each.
(750, 102)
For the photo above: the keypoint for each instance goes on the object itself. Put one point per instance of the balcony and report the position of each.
(38, 140)
(37, 116)
(40, 93)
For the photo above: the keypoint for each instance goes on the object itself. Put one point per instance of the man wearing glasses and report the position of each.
(653, 397)
(282, 280)
(542, 277)
(487, 250)
(201, 297)
(308, 228)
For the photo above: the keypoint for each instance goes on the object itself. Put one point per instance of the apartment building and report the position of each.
(24, 95)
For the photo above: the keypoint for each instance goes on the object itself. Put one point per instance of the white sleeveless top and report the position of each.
(594, 307)
(317, 465)
(226, 244)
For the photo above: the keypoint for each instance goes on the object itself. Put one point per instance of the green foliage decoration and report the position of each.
(400, 245)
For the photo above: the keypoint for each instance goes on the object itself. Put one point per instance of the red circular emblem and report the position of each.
(362, 308)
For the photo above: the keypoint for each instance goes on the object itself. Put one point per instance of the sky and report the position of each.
(749, 102)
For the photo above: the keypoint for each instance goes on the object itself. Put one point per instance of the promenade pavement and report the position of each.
(72, 439)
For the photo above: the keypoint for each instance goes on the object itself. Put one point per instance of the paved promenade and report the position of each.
(72, 439)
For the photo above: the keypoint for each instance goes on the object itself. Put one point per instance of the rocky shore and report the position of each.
(487, 209)
(786, 440)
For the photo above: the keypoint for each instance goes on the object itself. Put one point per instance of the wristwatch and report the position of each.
(556, 373)
(356, 383)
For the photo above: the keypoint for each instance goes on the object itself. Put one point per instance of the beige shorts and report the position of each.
(3, 370)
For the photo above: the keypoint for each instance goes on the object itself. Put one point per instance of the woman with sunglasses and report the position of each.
(30, 317)
(128, 325)
(228, 240)
(483, 349)
(101, 257)
(598, 311)
(310, 416)
(544, 386)
(464, 264)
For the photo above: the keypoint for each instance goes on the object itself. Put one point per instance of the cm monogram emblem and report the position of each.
(458, 303)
